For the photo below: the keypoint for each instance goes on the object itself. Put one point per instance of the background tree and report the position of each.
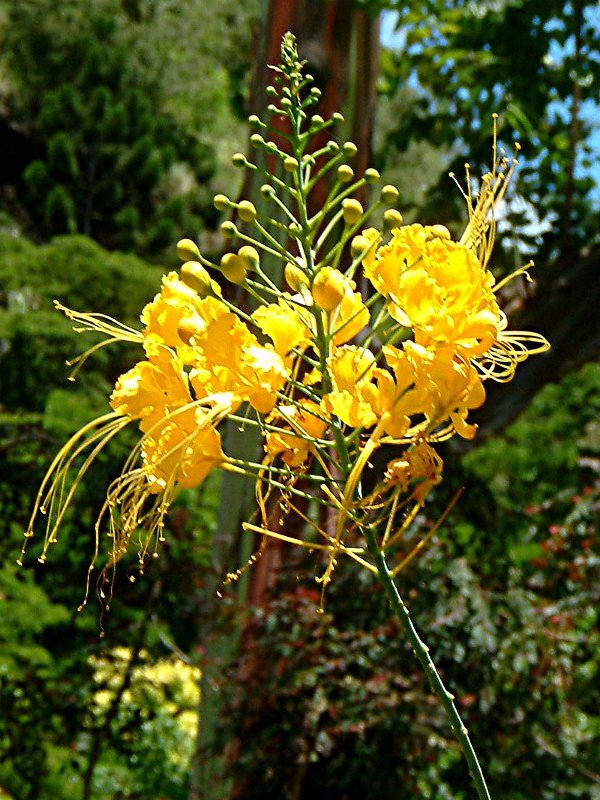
(117, 132)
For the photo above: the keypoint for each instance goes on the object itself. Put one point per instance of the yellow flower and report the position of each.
(448, 298)
(350, 317)
(420, 466)
(179, 446)
(283, 325)
(183, 449)
(229, 358)
(304, 423)
(384, 267)
(353, 397)
(451, 386)
(151, 389)
(171, 312)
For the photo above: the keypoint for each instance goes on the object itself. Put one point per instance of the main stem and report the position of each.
(422, 652)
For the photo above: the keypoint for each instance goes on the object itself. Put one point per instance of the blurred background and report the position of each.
(118, 119)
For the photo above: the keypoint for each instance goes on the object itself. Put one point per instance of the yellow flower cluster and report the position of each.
(326, 373)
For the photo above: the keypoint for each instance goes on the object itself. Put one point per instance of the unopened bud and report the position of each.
(196, 277)
(187, 250)
(371, 175)
(247, 211)
(332, 147)
(221, 202)
(267, 190)
(352, 211)
(337, 117)
(290, 164)
(256, 139)
(392, 219)
(316, 119)
(249, 256)
(389, 194)
(228, 229)
(253, 119)
(345, 173)
(360, 246)
(328, 289)
(294, 230)
(439, 232)
(189, 327)
(233, 268)
(296, 279)
(285, 102)
(350, 149)
(238, 160)
(271, 91)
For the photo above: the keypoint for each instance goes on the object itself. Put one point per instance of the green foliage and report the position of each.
(531, 61)
(507, 600)
(121, 125)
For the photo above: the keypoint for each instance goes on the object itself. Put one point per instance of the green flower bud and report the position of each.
(350, 149)
(316, 119)
(345, 173)
(233, 268)
(285, 102)
(196, 277)
(352, 211)
(296, 279)
(238, 160)
(337, 117)
(371, 175)
(389, 194)
(247, 211)
(253, 119)
(249, 256)
(256, 139)
(439, 232)
(267, 190)
(332, 147)
(228, 229)
(392, 219)
(360, 246)
(290, 164)
(271, 91)
(221, 202)
(294, 230)
(187, 250)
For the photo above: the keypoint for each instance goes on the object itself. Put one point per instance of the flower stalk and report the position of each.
(421, 651)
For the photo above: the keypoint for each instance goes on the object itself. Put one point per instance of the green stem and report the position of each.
(422, 652)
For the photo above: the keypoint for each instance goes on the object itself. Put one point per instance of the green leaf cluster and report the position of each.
(117, 115)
